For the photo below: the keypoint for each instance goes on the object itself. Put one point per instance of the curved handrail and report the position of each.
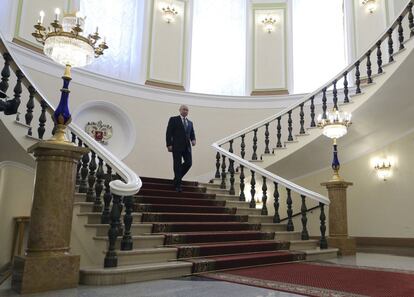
(281, 181)
(132, 183)
(309, 96)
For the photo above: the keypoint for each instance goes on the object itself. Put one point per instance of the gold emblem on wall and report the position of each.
(99, 131)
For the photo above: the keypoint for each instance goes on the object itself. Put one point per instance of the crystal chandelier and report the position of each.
(169, 13)
(269, 24)
(370, 5)
(334, 124)
(66, 45)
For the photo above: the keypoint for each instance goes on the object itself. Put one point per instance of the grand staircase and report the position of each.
(126, 233)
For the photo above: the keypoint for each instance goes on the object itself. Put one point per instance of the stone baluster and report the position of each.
(231, 170)
(90, 193)
(5, 73)
(346, 90)
(304, 219)
(369, 71)
(252, 190)
(357, 78)
(29, 109)
(83, 185)
(289, 226)
(78, 167)
(242, 197)
(42, 119)
(100, 175)
(390, 46)
(411, 19)
(267, 151)
(312, 111)
(127, 242)
(400, 32)
(302, 120)
(107, 197)
(254, 155)
(379, 57)
(276, 217)
(323, 243)
(242, 147)
(290, 127)
(217, 175)
(335, 94)
(264, 197)
(111, 258)
(279, 133)
(223, 172)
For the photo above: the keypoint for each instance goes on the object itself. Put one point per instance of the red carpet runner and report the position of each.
(204, 231)
(314, 279)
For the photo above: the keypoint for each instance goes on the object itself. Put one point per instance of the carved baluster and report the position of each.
(90, 194)
(252, 190)
(83, 185)
(29, 109)
(78, 167)
(400, 32)
(254, 156)
(357, 78)
(242, 197)
(312, 112)
(100, 175)
(217, 165)
(411, 19)
(267, 151)
(290, 128)
(379, 57)
(290, 226)
(390, 46)
(223, 172)
(126, 242)
(303, 210)
(17, 93)
(111, 259)
(323, 243)
(73, 140)
(302, 120)
(369, 71)
(242, 147)
(231, 171)
(107, 197)
(346, 91)
(324, 106)
(5, 73)
(264, 198)
(279, 133)
(42, 120)
(276, 217)
(335, 94)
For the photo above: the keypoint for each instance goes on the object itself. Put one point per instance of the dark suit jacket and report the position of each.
(177, 136)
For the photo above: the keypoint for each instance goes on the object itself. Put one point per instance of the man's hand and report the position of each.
(169, 148)
(193, 142)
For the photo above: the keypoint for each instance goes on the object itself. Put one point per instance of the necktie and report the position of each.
(185, 124)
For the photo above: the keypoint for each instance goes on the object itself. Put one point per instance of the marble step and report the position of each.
(303, 245)
(287, 235)
(226, 197)
(318, 254)
(248, 211)
(237, 204)
(136, 229)
(144, 256)
(257, 219)
(139, 241)
(134, 273)
(273, 227)
(95, 217)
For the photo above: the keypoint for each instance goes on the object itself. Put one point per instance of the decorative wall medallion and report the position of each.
(99, 131)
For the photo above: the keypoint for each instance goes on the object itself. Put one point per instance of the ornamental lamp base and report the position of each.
(60, 136)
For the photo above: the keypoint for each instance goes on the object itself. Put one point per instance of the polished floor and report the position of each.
(201, 287)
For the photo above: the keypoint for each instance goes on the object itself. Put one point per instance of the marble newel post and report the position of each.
(338, 221)
(48, 264)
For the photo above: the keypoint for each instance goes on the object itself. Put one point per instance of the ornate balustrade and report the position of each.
(272, 134)
(105, 180)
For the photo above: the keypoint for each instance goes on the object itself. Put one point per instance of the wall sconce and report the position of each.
(269, 24)
(169, 13)
(383, 168)
(371, 5)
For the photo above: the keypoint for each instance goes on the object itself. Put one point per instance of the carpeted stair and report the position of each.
(204, 231)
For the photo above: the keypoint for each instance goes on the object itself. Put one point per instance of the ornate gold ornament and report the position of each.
(99, 131)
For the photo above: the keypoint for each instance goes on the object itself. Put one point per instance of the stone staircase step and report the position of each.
(259, 219)
(273, 227)
(248, 211)
(95, 217)
(136, 229)
(287, 235)
(237, 204)
(134, 273)
(303, 245)
(142, 207)
(144, 256)
(318, 254)
(170, 187)
(146, 179)
(191, 217)
(139, 241)
(226, 197)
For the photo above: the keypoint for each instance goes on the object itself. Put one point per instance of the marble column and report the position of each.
(338, 217)
(48, 264)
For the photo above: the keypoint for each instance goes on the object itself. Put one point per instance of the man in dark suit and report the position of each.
(180, 137)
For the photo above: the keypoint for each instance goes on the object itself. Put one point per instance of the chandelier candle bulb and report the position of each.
(57, 13)
(42, 16)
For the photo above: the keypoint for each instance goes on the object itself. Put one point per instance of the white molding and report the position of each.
(40, 63)
(18, 165)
